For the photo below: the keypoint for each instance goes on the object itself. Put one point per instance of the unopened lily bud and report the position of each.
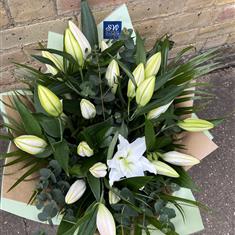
(30, 144)
(179, 159)
(87, 109)
(49, 101)
(55, 59)
(84, 150)
(113, 198)
(195, 125)
(164, 169)
(104, 221)
(98, 170)
(103, 46)
(81, 39)
(138, 74)
(72, 47)
(75, 192)
(145, 91)
(112, 74)
(153, 65)
(155, 113)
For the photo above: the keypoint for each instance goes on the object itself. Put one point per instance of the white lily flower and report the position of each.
(155, 113)
(30, 144)
(82, 40)
(112, 74)
(75, 192)
(84, 150)
(129, 161)
(57, 60)
(98, 170)
(138, 75)
(49, 101)
(88, 109)
(145, 91)
(153, 65)
(164, 169)
(104, 221)
(103, 46)
(179, 159)
(113, 198)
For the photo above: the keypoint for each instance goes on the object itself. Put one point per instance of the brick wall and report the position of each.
(202, 23)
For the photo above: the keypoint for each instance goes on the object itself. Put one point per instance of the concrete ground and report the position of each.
(215, 175)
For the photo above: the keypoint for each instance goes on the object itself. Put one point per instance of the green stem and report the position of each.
(81, 73)
(164, 129)
(128, 107)
(61, 129)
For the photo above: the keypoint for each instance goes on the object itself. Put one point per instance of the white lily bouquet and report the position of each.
(101, 131)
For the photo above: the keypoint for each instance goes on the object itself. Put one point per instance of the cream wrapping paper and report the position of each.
(199, 145)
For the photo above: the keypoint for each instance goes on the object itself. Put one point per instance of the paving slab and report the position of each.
(215, 175)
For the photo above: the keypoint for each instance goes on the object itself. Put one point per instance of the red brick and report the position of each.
(66, 6)
(6, 77)
(28, 10)
(225, 13)
(3, 16)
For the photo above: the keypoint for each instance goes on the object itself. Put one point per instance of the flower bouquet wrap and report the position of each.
(100, 140)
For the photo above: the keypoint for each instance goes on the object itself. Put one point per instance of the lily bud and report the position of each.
(153, 65)
(113, 198)
(87, 109)
(195, 125)
(75, 192)
(104, 221)
(155, 113)
(98, 170)
(103, 46)
(30, 144)
(72, 47)
(145, 91)
(84, 150)
(58, 63)
(81, 39)
(164, 169)
(49, 101)
(179, 159)
(111, 75)
(138, 74)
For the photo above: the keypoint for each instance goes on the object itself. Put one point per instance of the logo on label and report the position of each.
(112, 29)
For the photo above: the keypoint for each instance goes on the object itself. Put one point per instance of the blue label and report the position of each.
(112, 29)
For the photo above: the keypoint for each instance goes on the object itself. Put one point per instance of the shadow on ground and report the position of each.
(215, 175)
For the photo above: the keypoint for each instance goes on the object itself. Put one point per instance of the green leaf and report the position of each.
(140, 50)
(135, 183)
(88, 24)
(46, 153)
(12, 154)
(89, 212)
(112, 146)
(50, 125)
(184, 180)
(64, 227)
(31, 125)
(95, 186)
(127, 72)
(165, 96)
(149, 135)
(5, 137)
(88, 227)
(216, 122)
(113, 49)
(61, 154)
(170, 198)
(32, 170)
